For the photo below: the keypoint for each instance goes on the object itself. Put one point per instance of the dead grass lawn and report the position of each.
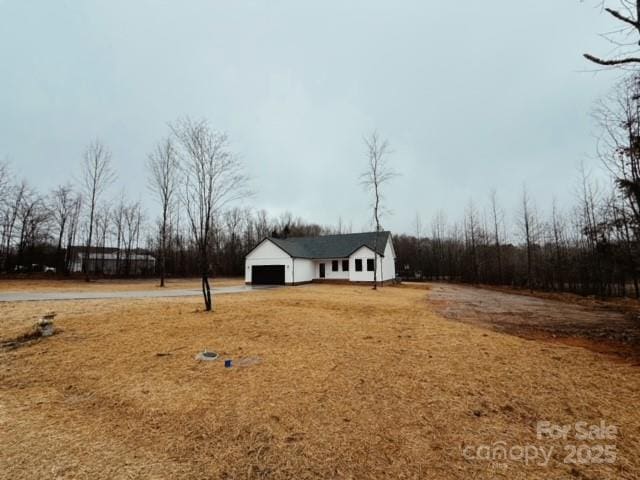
(353, 384)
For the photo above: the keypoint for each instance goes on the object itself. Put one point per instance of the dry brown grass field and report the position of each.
(351, 383)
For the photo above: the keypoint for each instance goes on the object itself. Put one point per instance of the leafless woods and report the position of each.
(590, 247)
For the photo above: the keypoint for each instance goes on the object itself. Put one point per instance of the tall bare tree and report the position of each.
(497, 217)
(33, 217)
(72, 230)
(528, 229)
(61, 206)
(557, 226)
(103, 222)
(619, 147)
(132, 221)
(14, 200)
(625, 38)
(472, 234)
(163, 178)
(438, 227)
(5, 216)
(212, 178)
(377, 174)
(97, 176)
(119, 224)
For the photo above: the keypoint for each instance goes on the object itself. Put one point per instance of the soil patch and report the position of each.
(600, 329)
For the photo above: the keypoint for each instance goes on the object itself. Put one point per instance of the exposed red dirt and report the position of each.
(598, 326)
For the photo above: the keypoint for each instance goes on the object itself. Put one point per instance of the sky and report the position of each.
(471, 96)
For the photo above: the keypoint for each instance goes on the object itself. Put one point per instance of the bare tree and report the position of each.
(132, 219)
(103, 222)
(72, 230)
(5, 209)
(212, 178)
(234, 221)
(438, 227)
(497, 218)
(621, 223)
(33, 217)
(262, 226)
(61, 201)
(592, 225)
(619, 147)
(377, 174)
(528, 229)
(163, 170)
(97, 175)
(418, 228)
(627, 13)
(5, 177)
(558, 235)
(13, 201)
(119, 224)
(472, 233)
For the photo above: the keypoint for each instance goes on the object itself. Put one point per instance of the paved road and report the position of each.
(157, 293)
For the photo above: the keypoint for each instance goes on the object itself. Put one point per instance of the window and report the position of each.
(358, 264)
(334, 265)
(369, 264)
(345, 265)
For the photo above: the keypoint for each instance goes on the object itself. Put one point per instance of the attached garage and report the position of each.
(268, 264)
(267, 274)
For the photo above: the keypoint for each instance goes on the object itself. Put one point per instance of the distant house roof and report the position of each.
(332, 246)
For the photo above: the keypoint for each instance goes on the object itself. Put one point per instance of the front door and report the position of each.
(322, 270)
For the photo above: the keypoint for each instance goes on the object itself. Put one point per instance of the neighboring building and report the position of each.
(346, 258)
(110, 261)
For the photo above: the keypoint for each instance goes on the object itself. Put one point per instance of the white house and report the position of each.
(346, 258)
(110, 261)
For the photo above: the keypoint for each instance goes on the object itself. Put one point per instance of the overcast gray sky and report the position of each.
(471, 95)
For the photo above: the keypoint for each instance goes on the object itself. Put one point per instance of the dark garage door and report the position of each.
(267, 275)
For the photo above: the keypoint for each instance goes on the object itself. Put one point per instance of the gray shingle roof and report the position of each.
(331, 246)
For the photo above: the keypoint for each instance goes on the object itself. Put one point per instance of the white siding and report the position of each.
(303, 270)
(362, 253)
(386, 264)
(268, 253)
(388, 271)
(329, 273)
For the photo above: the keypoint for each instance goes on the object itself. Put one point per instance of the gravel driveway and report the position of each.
(157, 293)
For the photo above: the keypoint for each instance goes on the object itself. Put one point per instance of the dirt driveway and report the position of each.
(98, 295)
(599, 329)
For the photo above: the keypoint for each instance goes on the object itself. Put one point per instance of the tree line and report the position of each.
(195, 179)
(590, 247)
(46, 229)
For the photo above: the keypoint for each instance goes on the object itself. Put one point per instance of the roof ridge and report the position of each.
(331, 246)
(331, 235)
